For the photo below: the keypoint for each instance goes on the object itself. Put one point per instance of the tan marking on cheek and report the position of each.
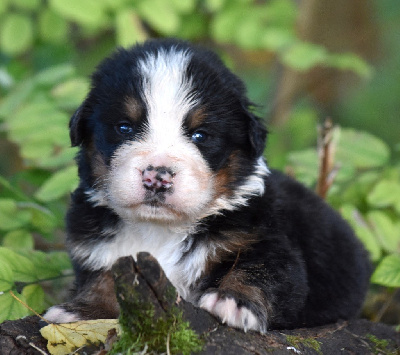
(99, 168)
(133, 108)
(226, 176)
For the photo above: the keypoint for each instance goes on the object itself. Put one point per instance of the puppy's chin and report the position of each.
(152, 212)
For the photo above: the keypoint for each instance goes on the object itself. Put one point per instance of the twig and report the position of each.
(38, 349)
(168, 340)
(23, 337)
(28, 307)
(385, 307)
(326, 151)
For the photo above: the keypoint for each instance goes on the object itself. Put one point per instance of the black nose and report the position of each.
(157, 179)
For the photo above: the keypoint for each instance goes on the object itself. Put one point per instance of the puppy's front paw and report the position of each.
(58, 314)
(227, 309)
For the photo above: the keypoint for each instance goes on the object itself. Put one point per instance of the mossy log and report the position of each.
(144, 293)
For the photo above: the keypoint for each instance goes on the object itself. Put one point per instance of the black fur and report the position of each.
(295, 263)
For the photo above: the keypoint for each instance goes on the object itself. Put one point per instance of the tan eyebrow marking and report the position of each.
(196, 118)
(133, 108)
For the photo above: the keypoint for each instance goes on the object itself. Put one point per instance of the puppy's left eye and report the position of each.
(199, 137)
(124, 129)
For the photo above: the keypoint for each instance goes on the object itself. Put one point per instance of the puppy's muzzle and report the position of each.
(158, 179)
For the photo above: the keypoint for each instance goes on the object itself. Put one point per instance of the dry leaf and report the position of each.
(65, 338)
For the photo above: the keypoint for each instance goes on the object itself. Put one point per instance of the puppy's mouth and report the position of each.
(154, 199)
(156, 203)
(158, 208)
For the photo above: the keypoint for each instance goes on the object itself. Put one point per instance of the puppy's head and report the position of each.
(166, 135)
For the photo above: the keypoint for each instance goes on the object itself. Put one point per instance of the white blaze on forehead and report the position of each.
(167, 93)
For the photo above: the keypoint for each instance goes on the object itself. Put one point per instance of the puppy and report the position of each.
(171, 163)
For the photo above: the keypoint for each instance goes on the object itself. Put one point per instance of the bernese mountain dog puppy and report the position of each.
(171, 163)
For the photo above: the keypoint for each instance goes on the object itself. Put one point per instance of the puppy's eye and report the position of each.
(124, 129)
(199, 137)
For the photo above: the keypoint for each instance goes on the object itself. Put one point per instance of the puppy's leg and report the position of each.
(264, 287)
(96, 300)
(238, 304)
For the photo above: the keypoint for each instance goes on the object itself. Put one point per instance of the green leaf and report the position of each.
(160, 15)
(362, 230)
(351, 61)
(385, 193)
(15, 191)
(54, 75)
(303, 56)
(282, 13)
(53, 28)
(49, 265)
(21, 266)
(193, 26)
(10, 217)
(34, 296)
(59, 159)
(43, 220)
(305, 165)
(224, 23)
(10, 308)
(59, 184)
(184, 7)
(361, 149)
(29, 120)
(386, 230)
(214, 5)
(114, 4)
(249, 29)
(88, 12)
(128, 28)
(3, 6)
(59, 260)
(15, 98)
(276, 39)
(387, 272)
(18, 239)
(39, 138)
(27, 4)
(6, 276)
(16, 33)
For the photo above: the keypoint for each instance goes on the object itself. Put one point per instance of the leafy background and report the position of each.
(302, 62)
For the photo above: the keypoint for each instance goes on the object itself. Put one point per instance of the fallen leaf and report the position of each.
(65, 338)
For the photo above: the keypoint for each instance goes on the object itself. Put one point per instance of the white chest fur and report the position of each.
(166, 245)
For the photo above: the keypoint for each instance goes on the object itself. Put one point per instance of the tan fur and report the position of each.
(133, 108)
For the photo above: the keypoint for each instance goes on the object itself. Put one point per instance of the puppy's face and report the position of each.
(166, 135)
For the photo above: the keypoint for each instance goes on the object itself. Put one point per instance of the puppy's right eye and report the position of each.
(124, 129)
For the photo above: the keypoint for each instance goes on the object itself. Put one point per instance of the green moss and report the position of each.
(380, 346)
(307, 342)
(141, 330)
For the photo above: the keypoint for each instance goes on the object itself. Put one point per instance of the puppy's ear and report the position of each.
(77, 125)
(257, 134)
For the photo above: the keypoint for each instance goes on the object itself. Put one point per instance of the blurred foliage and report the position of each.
(366, 191)
(48, 49)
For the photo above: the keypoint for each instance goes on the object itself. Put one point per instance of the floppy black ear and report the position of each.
(77, 126)
(257, 134)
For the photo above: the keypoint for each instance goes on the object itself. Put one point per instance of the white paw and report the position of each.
(230, 313)
(57, 314)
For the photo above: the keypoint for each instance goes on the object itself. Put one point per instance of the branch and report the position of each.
(326, 153)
